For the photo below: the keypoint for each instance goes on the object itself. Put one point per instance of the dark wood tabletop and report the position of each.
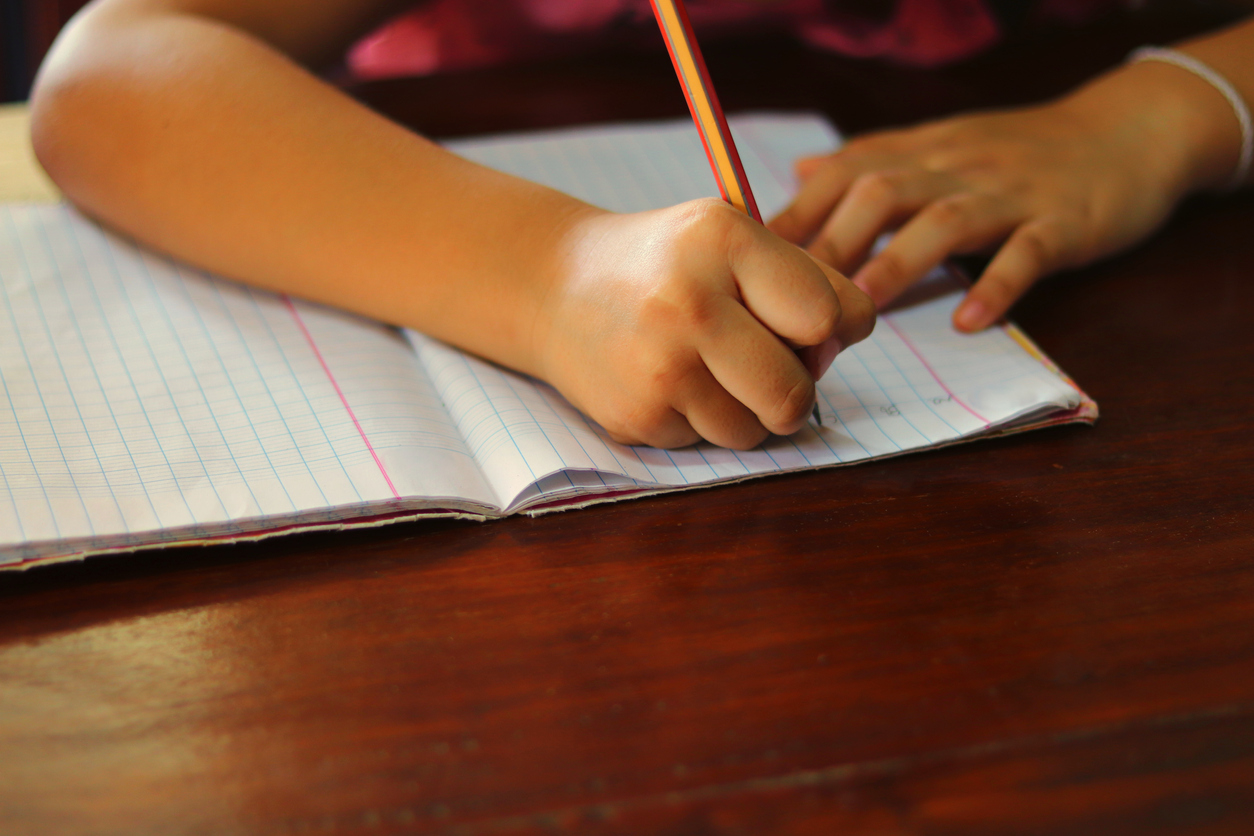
(1048, 633)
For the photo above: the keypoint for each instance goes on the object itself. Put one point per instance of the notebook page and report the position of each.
(915, 383)
(635, 167)
(139, 396)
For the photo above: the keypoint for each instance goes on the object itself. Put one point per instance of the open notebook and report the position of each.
(145, 403)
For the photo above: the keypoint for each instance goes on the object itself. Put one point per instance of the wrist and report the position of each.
(1185, 129)
(1221, 85)
(568, 258)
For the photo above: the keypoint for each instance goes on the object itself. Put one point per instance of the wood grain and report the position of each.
(1050, 633)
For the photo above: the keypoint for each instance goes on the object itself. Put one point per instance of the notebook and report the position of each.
(144, 403)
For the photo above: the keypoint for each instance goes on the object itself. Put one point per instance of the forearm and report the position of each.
(205, 142)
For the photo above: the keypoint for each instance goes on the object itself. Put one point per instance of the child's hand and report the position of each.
(1046, 188)
(681, 324)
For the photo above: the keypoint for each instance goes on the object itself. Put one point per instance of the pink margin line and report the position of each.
(313, 345)
(935, 376)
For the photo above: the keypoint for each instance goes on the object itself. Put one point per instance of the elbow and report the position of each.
(79, 116)
(53, 134)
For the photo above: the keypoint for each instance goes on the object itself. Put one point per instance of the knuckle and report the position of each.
(791, 405)
(1039, 244)
(669, 432)
(824, 319)
(666, 375)
(892, 268)
(877, 187)
(747, 436)
(951, 212)
(657, 312)
(652, 424)
(677, 307)
(699, 312)
(684, 308)
(1078, 236)
(825, 250)
(706, 219)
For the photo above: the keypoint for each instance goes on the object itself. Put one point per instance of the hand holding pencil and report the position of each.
(681, 324)
(695, 322)
(720, 148)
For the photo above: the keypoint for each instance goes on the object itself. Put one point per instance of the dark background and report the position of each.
(27, 28)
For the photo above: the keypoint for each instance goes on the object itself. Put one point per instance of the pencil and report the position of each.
(720, 148)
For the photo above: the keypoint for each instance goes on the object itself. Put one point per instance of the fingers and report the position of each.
(874, 203)
(791, 294)
(701, 407)
(716, 325)
(944, 220)
(718, 415)
(1034, 249)
(846, 201)
(954, 224)
(797, 297)
(786, 295)
(747, 381)
(822, 188)
(857, 318)
(669, 431)
(757, 371)
(818, 358)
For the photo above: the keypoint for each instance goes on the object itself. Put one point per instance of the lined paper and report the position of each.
(143, 402)
(914, 383)
(138, 395)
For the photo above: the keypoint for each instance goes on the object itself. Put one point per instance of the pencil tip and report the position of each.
(818, 419)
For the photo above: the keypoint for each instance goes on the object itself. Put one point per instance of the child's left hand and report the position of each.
(1046, 187)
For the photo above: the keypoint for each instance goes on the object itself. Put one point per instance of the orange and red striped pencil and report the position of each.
(720, 148)
(672, 18)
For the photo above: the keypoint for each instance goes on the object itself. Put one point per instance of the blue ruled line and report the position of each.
(125, 294)
(17, 333)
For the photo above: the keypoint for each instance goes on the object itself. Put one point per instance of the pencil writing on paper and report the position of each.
(720, 147)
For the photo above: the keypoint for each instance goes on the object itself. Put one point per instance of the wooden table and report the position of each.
(1051, 633)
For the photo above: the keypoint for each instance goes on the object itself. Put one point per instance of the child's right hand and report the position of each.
(665, 326)
(679, 324)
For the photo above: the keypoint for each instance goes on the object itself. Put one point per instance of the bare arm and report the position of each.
(192, 125)
(185, 124)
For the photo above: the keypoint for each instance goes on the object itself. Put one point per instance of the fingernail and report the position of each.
(824, 354)
(971, 315)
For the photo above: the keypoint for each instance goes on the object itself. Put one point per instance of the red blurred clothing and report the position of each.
(460, 34)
